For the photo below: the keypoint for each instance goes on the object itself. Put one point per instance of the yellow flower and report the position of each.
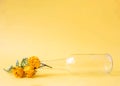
(34, 62)
(29, 71)
(18, 72)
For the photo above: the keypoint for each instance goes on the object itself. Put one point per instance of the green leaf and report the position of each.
(9, 69)
(24, 62)
(17, 63)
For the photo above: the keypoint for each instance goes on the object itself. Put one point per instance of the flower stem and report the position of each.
(46, 65)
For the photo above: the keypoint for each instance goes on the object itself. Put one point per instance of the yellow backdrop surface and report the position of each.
(56, 29)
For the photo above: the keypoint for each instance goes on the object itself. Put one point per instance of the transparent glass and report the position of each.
(83, 63)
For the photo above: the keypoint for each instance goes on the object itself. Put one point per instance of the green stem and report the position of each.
(46, 65)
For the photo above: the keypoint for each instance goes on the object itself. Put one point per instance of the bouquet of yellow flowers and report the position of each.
(27, 67)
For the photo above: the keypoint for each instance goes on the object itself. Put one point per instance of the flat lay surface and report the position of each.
(54, 29)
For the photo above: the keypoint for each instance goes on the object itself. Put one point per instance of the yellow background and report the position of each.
(56, 29)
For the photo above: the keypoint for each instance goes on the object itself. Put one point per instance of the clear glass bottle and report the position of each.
(83, 63)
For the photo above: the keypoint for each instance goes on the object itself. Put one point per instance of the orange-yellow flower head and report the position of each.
(34, 62)
(29, 71)
(18, 72)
